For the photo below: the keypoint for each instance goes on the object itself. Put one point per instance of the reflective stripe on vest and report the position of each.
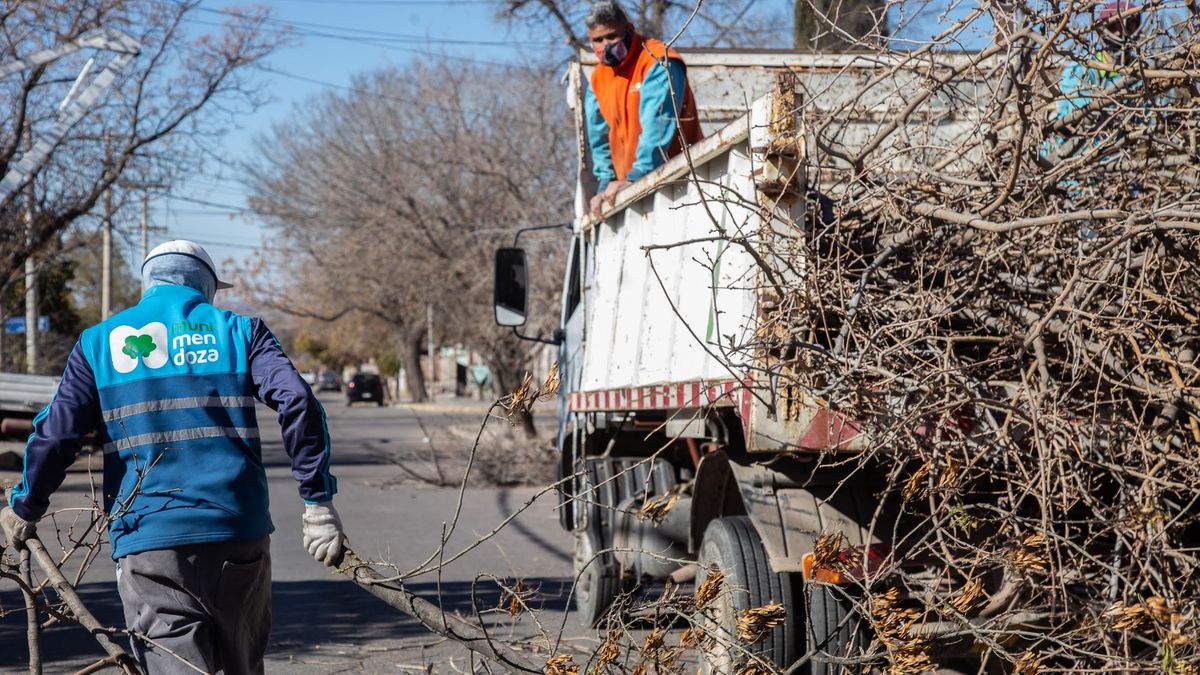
(179, 435)
(178, 404)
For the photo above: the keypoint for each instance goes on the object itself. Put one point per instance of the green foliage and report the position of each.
(311, 346)
(55, 302)
(962, 519)
(389, 362)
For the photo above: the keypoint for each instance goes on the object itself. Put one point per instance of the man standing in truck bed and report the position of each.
(639, 109)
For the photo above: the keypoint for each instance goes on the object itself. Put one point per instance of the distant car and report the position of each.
(310, 376)
(329, 381)
(364, 387)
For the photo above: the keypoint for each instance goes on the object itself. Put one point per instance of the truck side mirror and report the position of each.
(512, 288)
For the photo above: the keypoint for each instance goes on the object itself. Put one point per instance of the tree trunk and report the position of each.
(654, 14)
(410, 356)
(507, 382)
(814, 20)
(524, 420)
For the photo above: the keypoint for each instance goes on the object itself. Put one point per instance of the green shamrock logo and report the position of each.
(139, 345)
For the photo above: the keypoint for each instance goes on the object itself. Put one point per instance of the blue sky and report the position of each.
(227, 232)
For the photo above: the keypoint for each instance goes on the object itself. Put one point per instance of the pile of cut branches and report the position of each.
(997, 274)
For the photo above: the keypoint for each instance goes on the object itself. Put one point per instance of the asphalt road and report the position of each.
(322, 622)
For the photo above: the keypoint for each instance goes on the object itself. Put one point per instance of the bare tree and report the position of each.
(391, 199)
(833, 25)
(153, 122)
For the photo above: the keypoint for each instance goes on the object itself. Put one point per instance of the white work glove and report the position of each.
(323, 533)
(16, 529)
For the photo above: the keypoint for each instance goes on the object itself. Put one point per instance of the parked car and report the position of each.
(309, 376)
(364, 387)
(329, 381)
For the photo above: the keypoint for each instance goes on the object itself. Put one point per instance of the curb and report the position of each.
(443, 408)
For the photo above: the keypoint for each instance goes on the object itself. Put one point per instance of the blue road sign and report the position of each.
(16, 324)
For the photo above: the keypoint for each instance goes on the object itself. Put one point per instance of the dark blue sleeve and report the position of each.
(58, 433)
(301, 416)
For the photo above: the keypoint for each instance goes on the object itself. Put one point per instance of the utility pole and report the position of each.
(31, 292)
(106, 245)
(31, 289)
(145, 224)
(429, 348)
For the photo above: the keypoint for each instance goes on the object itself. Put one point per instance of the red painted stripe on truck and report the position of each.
(660, 397)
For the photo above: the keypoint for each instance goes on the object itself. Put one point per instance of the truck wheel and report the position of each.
(732, 545)
(832, 628)
(597, 582)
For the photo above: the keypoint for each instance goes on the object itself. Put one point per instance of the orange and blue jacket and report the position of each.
(640, 113)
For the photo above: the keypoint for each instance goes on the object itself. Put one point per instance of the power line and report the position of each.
(204, 202)
(375, 43)
(355, 33)
(384, 97)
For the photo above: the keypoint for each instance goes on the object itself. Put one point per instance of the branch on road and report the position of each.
(470, 635)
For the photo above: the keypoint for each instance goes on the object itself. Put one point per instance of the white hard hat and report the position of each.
(190, 249)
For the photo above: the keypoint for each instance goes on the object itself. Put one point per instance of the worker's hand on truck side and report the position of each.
(609, 195)
(597, 204)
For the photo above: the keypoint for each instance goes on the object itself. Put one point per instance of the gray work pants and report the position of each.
(207, 603)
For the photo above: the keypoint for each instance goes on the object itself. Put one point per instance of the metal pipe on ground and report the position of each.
(16, 426)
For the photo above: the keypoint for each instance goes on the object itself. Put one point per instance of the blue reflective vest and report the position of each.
(173, 382)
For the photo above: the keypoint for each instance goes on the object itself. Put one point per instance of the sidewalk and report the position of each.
(451, 406)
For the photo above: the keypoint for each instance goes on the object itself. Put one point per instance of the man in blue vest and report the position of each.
(171, 384)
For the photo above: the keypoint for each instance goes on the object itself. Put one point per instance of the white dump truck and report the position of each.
(663, 404)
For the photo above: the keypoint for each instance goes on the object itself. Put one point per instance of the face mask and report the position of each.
(616, 52)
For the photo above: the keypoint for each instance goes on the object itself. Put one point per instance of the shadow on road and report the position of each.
(306, 614)
(504, 502)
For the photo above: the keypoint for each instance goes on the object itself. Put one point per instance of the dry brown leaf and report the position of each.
(829, 546)
(691, 637)
(754, 624)
(1029, 664)
(1131, 617)
(710, 589)
(913, 485)
(971, 595)
(609, 652)
(563, 664)
(753, 668)
(515, 604)
(656, 509)
(551, 384)
(1031, 554)
(910, 659)
(518, 399)
(907, 655)
(652, 644)
(949, 477)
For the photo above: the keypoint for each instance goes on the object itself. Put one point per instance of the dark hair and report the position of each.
(606, 13)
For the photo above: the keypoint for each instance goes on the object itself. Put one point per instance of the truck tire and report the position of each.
(733, 546)
(832, 627)
(596, 580)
